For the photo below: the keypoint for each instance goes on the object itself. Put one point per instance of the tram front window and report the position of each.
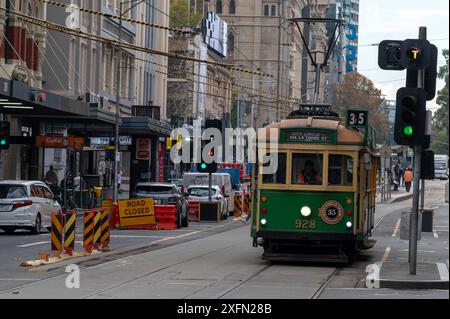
(340, 170)
(307, 169)
(280, 176)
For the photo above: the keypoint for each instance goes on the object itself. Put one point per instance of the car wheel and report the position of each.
(37, 227)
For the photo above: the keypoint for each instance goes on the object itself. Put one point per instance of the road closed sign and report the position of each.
(137, 212)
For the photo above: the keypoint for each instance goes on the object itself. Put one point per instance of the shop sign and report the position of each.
(59, 142)
(143, 149)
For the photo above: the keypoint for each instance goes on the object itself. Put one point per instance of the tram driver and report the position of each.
(308, 175)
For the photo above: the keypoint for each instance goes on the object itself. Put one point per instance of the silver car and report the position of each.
(26, 205)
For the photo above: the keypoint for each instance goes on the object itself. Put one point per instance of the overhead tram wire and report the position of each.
(86, 35)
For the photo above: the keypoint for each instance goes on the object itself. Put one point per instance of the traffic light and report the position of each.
(5, 131)
(416, 54)
(390, 54)
(204, 166)
(410, 118)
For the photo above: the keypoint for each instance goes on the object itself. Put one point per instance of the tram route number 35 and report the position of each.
(356, 118)
(305, 224)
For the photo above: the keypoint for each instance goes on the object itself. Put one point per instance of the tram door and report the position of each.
(368, 171)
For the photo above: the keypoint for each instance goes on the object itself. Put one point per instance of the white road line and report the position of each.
(443, 271)
(397, 227)
(136, 236)
(34, 244)
(386, 254)
(18, 279)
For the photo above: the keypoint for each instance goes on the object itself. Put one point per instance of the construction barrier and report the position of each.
(69, 231)
(166, 217)
(88, 233)
(237, 206)
(57, 233)
(246, 207)
(114, 220)
(194, 210)
(104, 229)
(97, 230)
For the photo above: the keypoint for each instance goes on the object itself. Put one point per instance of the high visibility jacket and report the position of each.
(408, 176)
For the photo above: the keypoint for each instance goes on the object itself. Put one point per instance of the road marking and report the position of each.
(435, 234)
(386, 254)
(443, 271)
(423, 251)
(34, 244)
(397, 227)
(135, 236)
(18, 279)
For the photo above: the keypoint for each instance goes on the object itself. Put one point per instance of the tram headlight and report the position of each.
(263, 221)
(349, 224)
(305, 211)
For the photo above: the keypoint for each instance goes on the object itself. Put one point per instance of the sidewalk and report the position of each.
(392, 271)
(397, 196)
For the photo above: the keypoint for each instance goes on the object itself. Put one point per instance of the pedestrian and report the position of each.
(119, 179)
(51, 176)
(408, 179)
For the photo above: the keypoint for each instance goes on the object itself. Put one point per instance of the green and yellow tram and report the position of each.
(320, 203)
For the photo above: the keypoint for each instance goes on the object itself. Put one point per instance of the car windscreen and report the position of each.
(12, 191)
(149, 189)
(200, 192)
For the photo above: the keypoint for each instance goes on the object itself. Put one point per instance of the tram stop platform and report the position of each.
(396, 275)
(393, 270)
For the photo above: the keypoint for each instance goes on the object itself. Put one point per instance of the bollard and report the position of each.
(105, 232)
(69, 232)
(97, 229)
(57, 234)
(88, 234)
(237, 206)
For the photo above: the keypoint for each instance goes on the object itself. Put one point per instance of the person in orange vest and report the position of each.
(308, 175)
(408, 179)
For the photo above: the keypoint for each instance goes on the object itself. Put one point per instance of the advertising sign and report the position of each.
(216, 32)
(143, 149)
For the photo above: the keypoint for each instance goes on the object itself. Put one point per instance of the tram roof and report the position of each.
(344, 135)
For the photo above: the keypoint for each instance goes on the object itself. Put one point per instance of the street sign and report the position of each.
(143, 149)
(357, 118)
(137, 212)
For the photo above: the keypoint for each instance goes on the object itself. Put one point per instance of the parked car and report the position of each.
(223, 180)
(201, 193)
(26, 205)
(165, 194)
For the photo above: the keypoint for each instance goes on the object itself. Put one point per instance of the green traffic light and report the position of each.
(2, 142)
(408, 131)
(203, 166)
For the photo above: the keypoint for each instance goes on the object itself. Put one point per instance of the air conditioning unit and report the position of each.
(90, 97)
(104, 103)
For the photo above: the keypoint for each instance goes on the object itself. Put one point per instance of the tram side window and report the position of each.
(340, 170)
(280, 176)
(307, 169)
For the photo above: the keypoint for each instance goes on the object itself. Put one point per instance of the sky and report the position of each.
(399, 20)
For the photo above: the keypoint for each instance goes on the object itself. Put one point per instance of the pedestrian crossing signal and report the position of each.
(5, 131)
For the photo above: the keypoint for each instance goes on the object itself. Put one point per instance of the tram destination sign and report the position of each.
(310, 136)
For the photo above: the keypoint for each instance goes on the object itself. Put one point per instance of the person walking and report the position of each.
(408, 179)
(51, 176)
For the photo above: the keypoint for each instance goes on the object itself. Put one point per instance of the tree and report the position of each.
(358, 92)
(440, 117)
(180, 14)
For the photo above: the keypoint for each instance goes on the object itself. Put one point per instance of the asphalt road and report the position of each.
(219, 262)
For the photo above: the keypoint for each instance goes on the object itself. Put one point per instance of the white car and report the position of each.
(26, 205)
(201, 193)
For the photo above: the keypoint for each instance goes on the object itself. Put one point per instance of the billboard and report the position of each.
(215, 33)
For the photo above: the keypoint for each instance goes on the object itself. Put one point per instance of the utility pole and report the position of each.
(414, 221)
(117, 124)
(279, 59)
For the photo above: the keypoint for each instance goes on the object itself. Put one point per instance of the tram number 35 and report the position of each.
(357, 118)
(305, 224)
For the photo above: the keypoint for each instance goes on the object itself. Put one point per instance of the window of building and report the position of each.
(219, 6)
(273, 10)
(340, 170)
(230, 44)
(232, 7)
(266, 10)
(280, 176)
(307, 169)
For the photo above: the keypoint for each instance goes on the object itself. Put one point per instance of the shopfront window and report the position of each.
(280, 176)
(340, 170)
(307, 169)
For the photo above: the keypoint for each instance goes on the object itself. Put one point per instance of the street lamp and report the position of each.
(119, 79)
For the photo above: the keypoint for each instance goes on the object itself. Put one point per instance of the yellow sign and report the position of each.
(179, 141)
(107, 203)
(168, 143)
(137, 212)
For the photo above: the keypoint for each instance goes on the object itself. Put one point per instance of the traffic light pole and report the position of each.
(414, 220)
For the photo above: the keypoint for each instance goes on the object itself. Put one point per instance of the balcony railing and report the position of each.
(150, 111)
